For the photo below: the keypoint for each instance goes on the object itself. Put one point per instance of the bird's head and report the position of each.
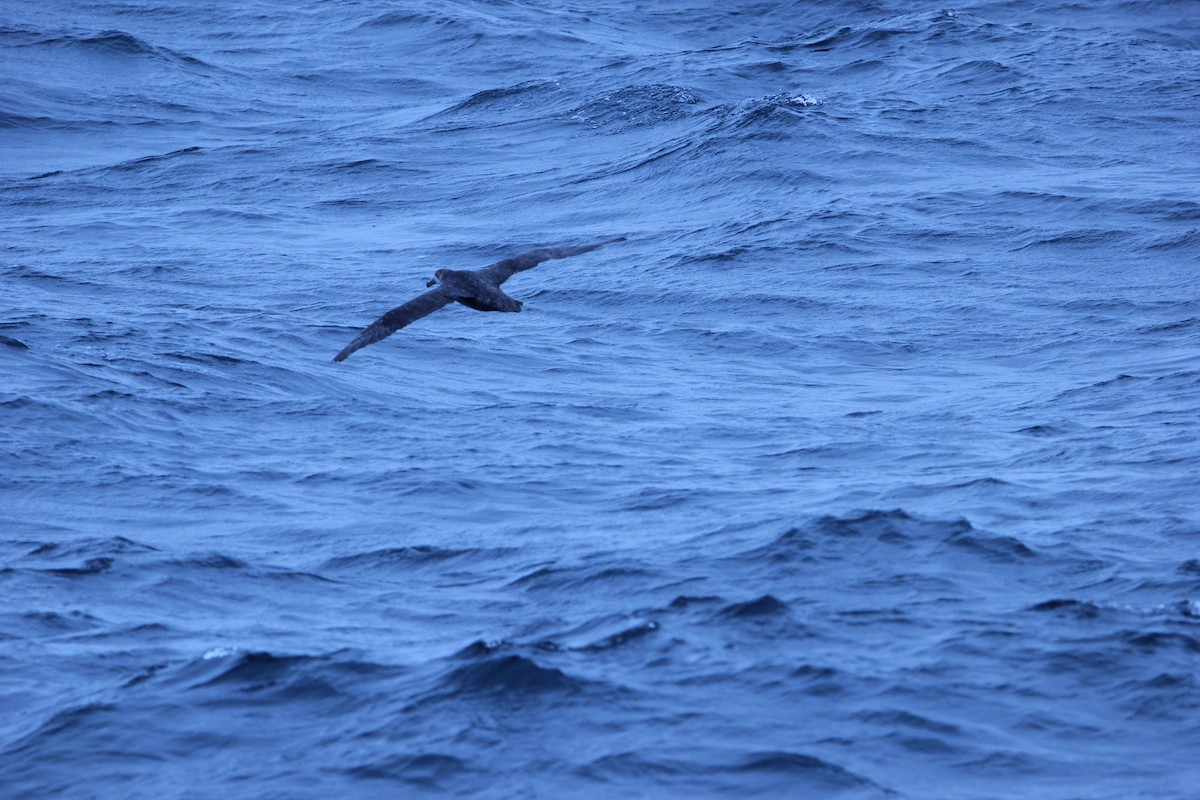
(437, 277)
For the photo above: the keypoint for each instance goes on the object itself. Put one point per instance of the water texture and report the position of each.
(865, 468)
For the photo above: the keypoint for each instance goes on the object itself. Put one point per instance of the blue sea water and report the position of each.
(865, 468)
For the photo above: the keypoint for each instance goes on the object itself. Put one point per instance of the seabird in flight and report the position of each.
(475, 288)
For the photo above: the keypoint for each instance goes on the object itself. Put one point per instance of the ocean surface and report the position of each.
(868, 466)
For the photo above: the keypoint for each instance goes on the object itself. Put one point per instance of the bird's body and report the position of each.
(475, 288)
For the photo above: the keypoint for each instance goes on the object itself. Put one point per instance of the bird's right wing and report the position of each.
(501, 271)
(397, 318)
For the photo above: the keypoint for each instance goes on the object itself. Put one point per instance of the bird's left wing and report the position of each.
(501, 271)
(397, 318)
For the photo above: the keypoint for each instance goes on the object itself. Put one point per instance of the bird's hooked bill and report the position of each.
(430, 282)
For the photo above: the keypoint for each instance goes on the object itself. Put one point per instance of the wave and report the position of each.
(558, 578)
(15, 344)
(114, 43)
(765, 606)
(636, 107)
(507, 677)
(390, 558)
(427, 770)
(495, 102)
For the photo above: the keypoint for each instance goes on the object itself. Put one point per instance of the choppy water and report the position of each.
(865, 468)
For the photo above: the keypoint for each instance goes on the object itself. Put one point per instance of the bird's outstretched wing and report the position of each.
(397, 318)
(501, 271)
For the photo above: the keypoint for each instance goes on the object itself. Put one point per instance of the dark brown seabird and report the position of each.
(475, 288)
